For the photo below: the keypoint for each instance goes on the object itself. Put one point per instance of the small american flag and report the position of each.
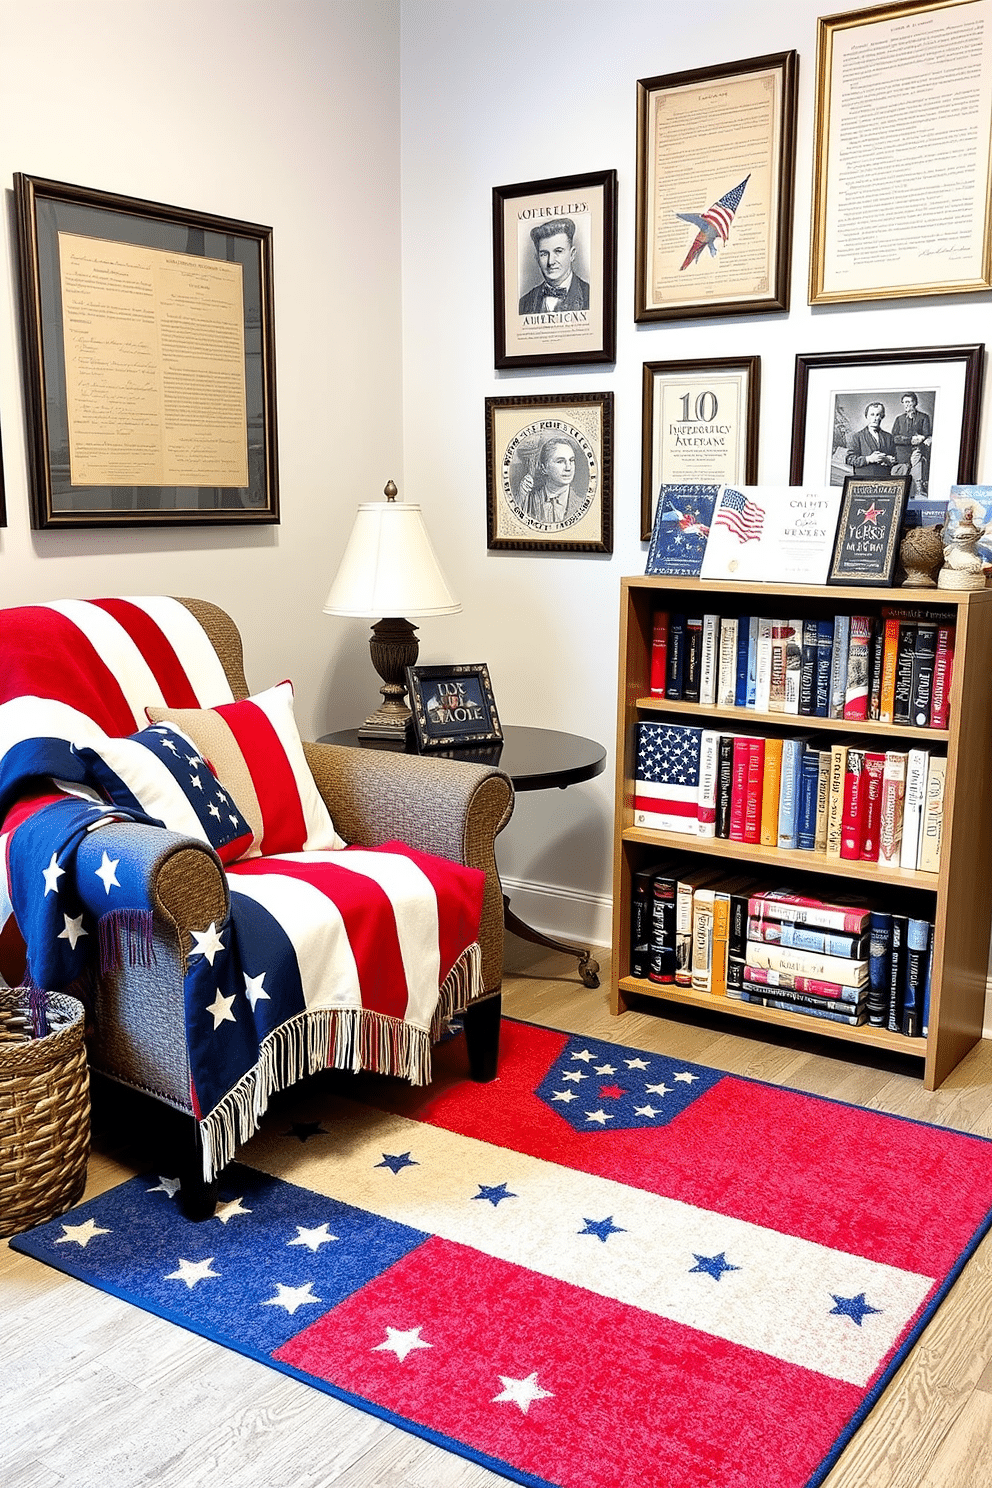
(713, 224)
(742, 516)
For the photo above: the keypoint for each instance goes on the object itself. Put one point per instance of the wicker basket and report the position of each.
(44, 1110)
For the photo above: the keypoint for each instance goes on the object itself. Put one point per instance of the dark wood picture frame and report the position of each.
(453, 705)
(832, 388)
(676, 111)
(540, 445)
(526, 332)
(112, 254)
(870, 558)
(696, 385)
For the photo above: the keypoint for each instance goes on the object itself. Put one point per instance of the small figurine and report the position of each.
(921, 553)
(963, 568)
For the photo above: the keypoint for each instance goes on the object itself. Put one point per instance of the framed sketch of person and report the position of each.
(903, 151)
(894, 413)
(549, 472)
(555, 271)
(699, 424)
(149, 359)
(716, 151)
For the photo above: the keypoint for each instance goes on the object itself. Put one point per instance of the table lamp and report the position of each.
(390, 569)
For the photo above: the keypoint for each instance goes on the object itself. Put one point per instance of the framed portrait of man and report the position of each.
(549, 472)
(555, 271)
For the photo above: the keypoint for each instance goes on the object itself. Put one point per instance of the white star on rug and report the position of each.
(574, 1075)
(73, 930)
(80, 1234)
(605, 1069)
(636, 1063)
(292, 1297)
(51, 875)
(207, 942)
(227, 1211)
(658, 1089)
(685, 1077)
(401, 1344)
(564, 1095)
(168, 1186)
(107, 873)
(588, 1059)
(600, 1117)
(522, 1392)
(192, 1271)
(221, 1009)
(312, 1239)
(254, 991)
(646, 1111)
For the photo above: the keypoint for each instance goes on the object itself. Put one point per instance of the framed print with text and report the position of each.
(716, 152)
(912, 412)
(903, 151)
(555, 271)
(149, 361)
(549, 472)
(866, 547)
(453, 705)
(699, 424)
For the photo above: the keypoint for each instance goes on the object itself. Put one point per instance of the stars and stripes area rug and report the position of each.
(606, 1269)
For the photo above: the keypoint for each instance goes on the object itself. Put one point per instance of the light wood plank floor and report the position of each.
(93, 1391)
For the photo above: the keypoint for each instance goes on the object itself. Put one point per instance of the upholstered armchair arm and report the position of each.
(185, 881)
(441, 806)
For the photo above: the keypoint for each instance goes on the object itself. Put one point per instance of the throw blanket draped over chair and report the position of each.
(320, 954)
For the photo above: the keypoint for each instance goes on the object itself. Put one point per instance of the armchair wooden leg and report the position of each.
(197, 1198)
(481, 1021)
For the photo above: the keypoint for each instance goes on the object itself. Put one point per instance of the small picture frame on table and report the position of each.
(453, 705)
(866, 548)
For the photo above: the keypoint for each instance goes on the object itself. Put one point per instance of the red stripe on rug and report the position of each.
(283, 825)
(628, 1393)
(43, 654)
(157, 650)
(895, 1191)
(368, 920)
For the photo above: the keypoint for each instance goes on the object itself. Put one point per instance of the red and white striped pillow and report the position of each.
(254, 748)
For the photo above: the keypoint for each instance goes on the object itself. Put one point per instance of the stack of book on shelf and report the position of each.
(891, 668)
(698, 927)
(802, 793)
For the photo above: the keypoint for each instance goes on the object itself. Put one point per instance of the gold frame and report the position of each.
(826, 152)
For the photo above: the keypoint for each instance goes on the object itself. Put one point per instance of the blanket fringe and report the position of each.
(126, 937)
(332, 1038)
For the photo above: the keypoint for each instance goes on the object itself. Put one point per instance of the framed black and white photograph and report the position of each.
(453, 705)
(149, 361)
(868, 413)
(549, 472)
(716, 149)
(555, 271)
(866, 547)
(699, 424)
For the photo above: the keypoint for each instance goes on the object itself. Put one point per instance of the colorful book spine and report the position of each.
(932, 818)
(784, 1005)
(793, 666)
(764, 976)
(858, 668)
(824, 659)
(799, 1001)
(781, 634)
(689, 882)
(889, 655)
(890, 817)
(809, 780)
(724, 784)
(659, 653)
(738, 789)
(752, 797)
(807, 673)
(917, 769)
(807, 963)
(822, 801)
(919, 938)
(800, 909)
(770, 787)
(879, 958)
(835, 801)
(709, 751)
(788, 796)
(838, 665)
(726, 686)
(943, 666)
(743, 637)
(641, 911)
(675, 675)
(903, 692)
(873, 771)
(661, 959)
(852, 825)
(921, 686)
(693, 658)
(876, 670)
(805, 938)
(709, 660)
(752, 661)
(702, 940)
(897, 973)
(763, 666)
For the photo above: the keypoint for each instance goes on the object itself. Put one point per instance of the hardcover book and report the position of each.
(873, 771)
(726, 688)
(666, 786)
(943, 667)
(890, 817)
(692, 675)
(675, 666)
(917, 769)
(807, 671)
(838, 665)
(709, 660)
(879, 957)
(824, 660)
(852, 824)
(807, 963)
(681, 527)
(802, 909)
(932, 822)
(921, 679)
(659, 653)
(858, 668)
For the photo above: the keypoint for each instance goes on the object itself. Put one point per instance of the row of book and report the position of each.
(696, 927)
(894, 667)
(797, 794)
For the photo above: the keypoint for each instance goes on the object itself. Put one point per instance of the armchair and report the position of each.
(164, 946)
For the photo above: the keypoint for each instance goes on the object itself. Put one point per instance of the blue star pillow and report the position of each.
(161, 772)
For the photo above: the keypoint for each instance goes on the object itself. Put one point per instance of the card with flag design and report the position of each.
(780, 534)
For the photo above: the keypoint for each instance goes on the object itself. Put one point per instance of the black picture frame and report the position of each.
(519, 431)
(453, 705)
(91, 261)
(525, 332)
(869, 558)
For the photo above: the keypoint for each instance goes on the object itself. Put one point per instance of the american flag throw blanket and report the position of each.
(345, 958)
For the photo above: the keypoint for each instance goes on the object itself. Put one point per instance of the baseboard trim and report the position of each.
(562, 914)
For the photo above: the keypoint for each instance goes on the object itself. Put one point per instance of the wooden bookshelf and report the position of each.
(960, 893)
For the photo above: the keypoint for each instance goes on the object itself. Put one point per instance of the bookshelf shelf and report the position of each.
(959, 896)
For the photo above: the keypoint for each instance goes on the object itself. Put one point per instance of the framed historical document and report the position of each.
(866, 548)
(453, 705)
(715, 171)
(699, 424)
(903, 152)
(149, 361)
(888, 413)
(555, 271)
(549, 472)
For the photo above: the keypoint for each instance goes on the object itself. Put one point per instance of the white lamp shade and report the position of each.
(389, 566)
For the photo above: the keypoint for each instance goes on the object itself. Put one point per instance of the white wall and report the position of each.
(281, 114)
(488, 101)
